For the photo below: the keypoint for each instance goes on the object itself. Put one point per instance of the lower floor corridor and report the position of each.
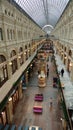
(50, 119)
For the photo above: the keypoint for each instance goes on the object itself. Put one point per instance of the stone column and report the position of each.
(28, 52)
(67, 63)
(71, 72)
(63, 58)
(9, 68)
(18, 62)
(9, 109)
(24, 56)
(20, 90)
(26, 77)
(64, 124)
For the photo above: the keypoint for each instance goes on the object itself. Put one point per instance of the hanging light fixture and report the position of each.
(10, 99)
(70, 64)
(65, 57)
(19, 57)
(10, 63)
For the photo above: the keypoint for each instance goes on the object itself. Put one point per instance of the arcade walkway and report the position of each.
(50, 119)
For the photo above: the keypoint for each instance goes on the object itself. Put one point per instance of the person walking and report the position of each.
(62, 72)
(51, 102)
(47, 72)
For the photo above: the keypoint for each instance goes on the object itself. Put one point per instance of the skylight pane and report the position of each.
(43, 11)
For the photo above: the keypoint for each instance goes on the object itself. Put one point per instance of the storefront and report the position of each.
(23, 78)
(15, 94)
(15, 99)
(3, 117)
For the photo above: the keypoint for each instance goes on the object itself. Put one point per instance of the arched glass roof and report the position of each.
(43, 12)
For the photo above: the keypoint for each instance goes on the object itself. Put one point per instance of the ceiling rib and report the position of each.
(43, 12)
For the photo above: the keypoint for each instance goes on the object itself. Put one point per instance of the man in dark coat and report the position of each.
(62, 72)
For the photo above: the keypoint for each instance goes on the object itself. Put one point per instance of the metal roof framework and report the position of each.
(44, 12)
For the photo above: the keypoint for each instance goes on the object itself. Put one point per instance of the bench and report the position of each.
(1, 126)
(7, 127)
(37, 109)
(39, 95)
(38, 99)
(20, 128)
(13, 127)
(26, 128)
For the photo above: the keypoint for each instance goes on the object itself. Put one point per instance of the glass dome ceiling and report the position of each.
(43, 12)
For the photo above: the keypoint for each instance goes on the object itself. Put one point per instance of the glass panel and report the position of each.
(44, 12)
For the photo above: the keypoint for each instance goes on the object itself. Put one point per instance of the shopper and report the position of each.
(47, 72)
(51, 102)
(62, 72)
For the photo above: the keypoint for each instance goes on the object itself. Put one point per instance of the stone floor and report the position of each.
(50, 119)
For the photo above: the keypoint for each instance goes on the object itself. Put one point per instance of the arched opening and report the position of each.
(48, 28)
(3, 70)
(29, 50)
(70, 53)
(65, 49)
(62, 46)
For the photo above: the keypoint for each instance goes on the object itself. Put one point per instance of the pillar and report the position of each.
(18, 62)
(63, 58)
(71, 72)
(67, 63)
(26, 77)
(64, 124)
(24, 56)
(9, 67)
(20, 90)
(9, 109)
